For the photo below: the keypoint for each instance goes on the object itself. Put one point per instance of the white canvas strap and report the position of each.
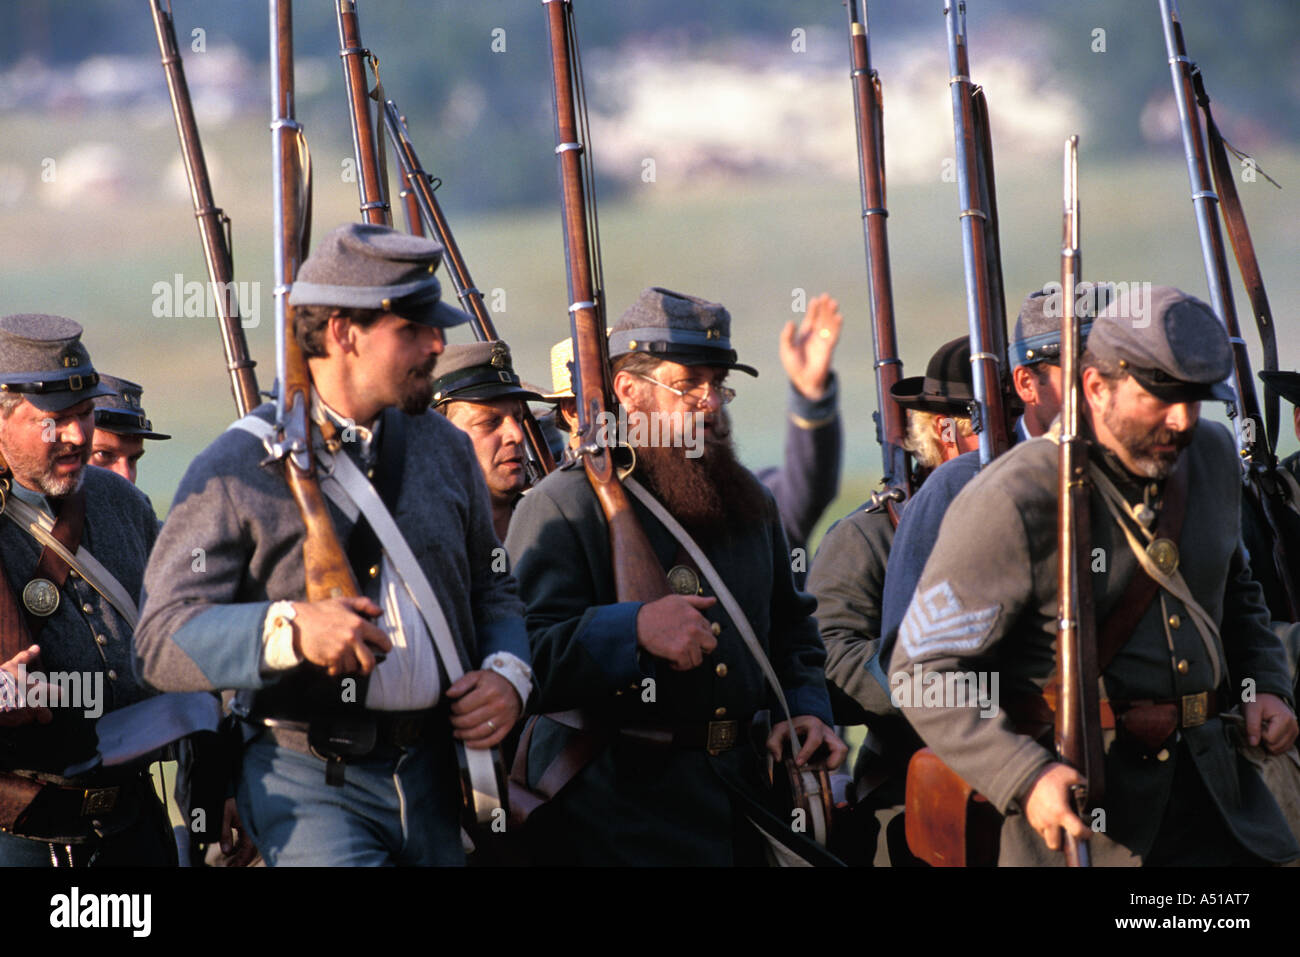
(39, 525)
(729, 603)
(351, 491)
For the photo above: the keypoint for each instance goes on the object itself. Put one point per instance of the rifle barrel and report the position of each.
(212, 221)
(365, 144)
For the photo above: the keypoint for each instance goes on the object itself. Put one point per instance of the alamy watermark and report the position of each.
(661, 429)
(198, 300)
(945, 689)
(55, 689)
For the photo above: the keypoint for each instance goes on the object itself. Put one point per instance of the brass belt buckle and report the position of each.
(99, 800)
(722, 736)
(1195, 709)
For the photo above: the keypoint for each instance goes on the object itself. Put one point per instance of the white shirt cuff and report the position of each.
(277, 643)
(509, 666)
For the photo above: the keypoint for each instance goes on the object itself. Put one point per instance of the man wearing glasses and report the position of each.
(667, 688)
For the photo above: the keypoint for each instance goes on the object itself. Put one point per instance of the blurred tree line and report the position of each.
(477, 70)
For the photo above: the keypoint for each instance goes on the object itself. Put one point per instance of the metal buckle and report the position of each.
(1195, 709)
(722, 736)
(99, 800)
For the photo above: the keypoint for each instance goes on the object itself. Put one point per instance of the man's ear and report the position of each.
(340, 334)
(1096, 390)
(625, 385)
(1026, 384)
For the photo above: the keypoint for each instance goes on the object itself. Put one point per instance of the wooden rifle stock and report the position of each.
(638, 575)
(891, 424)
(1078, 736)
(214, 224)
(1263, 487)
(366, 146)
(429, 211)
(328, 573)
(985, 316)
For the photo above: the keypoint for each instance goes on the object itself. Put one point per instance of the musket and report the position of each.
(406, 192)
(1078, 741)
(891, 426)
(328, 573)
(985, 311)
(1259, 464)
(638, 575)
(214, 224)
(367, 148)
(539, 459)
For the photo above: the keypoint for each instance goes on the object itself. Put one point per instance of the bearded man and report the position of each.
(667, 689)
(66, 646)
(1186, 657)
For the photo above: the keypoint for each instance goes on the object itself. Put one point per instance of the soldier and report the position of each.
(667, 688)
(369, 318)
(848, 579)
(1175, 791)
(477, 390)
(121, 428)
(66, 651)
(1034, 354)
(808, 478)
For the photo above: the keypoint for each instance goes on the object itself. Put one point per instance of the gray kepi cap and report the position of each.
(1171, 343)
(366, 266)
(1037, 336)
(42, 359)
(122, 413)
(478, 372)
(676, 328)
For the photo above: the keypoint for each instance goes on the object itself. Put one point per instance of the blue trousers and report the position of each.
(397, 811)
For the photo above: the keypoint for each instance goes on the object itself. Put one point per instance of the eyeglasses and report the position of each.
(697, 394)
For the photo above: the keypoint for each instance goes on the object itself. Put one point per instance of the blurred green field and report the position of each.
(749, 244)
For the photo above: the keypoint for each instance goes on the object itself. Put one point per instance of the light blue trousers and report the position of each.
(399, 811)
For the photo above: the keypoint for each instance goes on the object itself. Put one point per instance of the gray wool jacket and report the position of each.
(232, 545)
(120, 530)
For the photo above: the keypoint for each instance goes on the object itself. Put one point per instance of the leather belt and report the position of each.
(378, 734)
(1147, 721)
(714, 737)
(71, 813)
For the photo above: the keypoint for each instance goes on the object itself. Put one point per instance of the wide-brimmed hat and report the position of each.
(946, 385)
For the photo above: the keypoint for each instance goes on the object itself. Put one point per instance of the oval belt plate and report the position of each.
(1165, 554)
(41, 597)
(682, 580)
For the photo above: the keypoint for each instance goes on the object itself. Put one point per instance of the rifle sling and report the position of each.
(1243, 248)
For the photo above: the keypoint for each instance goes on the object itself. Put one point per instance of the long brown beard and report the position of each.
(708, 494)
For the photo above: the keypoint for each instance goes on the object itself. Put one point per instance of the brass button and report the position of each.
(86, 608)
(374, 571)
(719, 712)
(1175, 621)
(1162, 754)
(72, 573)
(112, 675)
(1183, 666)
(717, 629)
(101, 640)
(720, 670)
(370, 473)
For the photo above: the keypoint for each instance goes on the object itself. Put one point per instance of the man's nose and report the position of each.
(438, 342)
(513, 430)
(1180, 417)
(73, 432)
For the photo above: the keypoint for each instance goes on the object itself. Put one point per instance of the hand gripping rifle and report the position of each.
(1078, 741)
(638, 575)
(891, 429)
(367, 147)
(214, 224)
(985, 308)
(1254, 442)
(422, 185)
